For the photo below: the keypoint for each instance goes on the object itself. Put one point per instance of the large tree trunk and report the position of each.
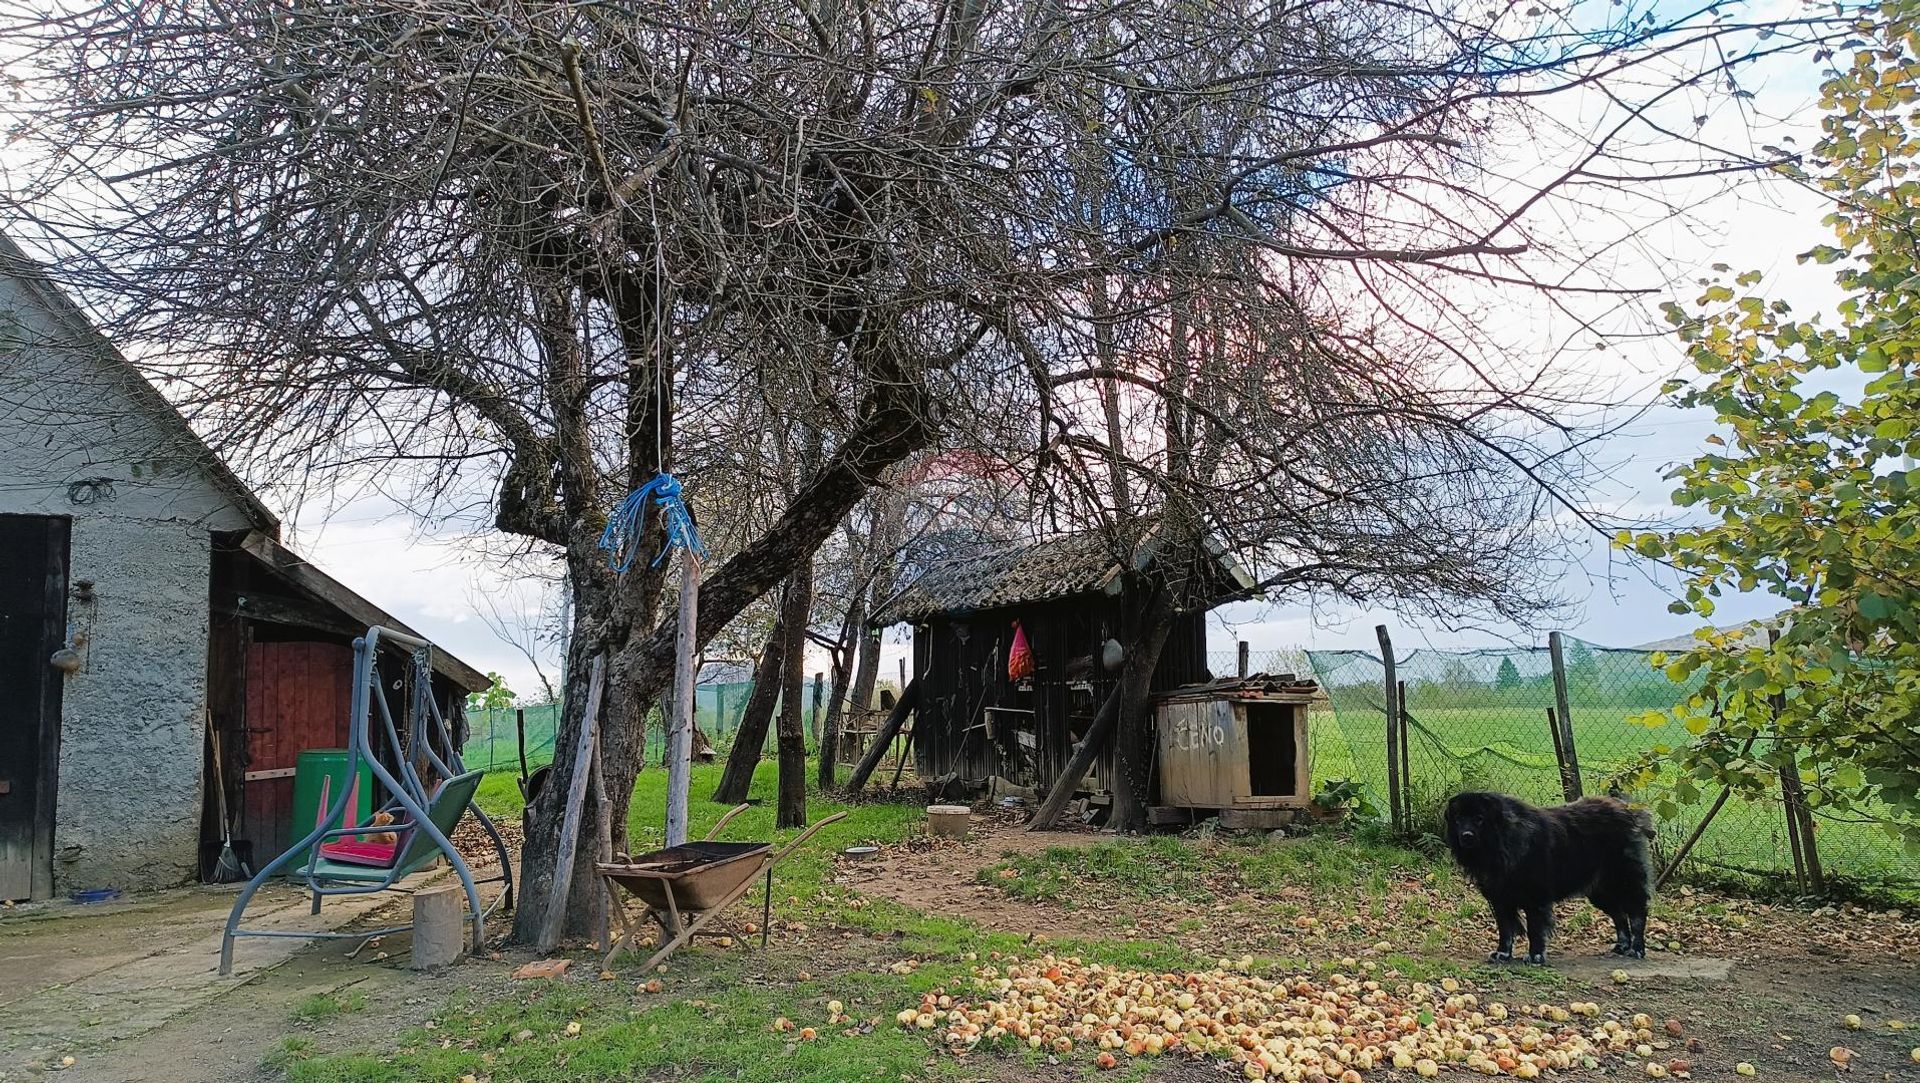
(791, 734)
(621, 748)
(852, 637)
(893, 425)
(1133, 733)
(751, 738)
(866, 672)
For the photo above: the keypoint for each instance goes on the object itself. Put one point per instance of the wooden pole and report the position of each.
(520, 731)
(903, 673)
(570, 824)
(1243, 659)
(1400, 750)
(680, 728)
(1571, 773)
(1393, 727)
(909, 699)
(1079, 764)
(819, 697)
(604, 901)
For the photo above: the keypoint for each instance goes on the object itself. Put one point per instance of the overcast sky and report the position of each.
(436, 581)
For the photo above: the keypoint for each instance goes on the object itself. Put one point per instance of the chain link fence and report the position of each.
(494, 735)
(1479, 720)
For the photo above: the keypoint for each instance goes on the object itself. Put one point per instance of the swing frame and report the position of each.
(406, 791)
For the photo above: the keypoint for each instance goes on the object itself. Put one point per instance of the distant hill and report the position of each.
(1753, 629)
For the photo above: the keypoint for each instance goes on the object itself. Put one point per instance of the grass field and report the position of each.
(1509, 748)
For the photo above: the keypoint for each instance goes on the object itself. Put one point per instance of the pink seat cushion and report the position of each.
(352, 852)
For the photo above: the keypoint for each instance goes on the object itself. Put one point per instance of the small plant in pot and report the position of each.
(1340, 799)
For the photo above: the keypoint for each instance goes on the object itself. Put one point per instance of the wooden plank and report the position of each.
(680, 729)
(1396, 803)
(877, 748)
(1561, 702)
(1246, 819)
(570, 826)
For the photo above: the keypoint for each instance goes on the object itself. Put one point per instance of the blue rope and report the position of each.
(622, 536)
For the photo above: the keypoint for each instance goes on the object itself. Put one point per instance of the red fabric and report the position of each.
(355, 852)
(1019, 656)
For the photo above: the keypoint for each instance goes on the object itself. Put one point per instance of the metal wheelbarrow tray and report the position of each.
(701, 874)
(686, 887)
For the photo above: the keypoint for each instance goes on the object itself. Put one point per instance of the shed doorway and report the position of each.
(33, 625)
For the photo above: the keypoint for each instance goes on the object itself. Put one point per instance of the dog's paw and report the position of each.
(1537, 958)
(1499, 957)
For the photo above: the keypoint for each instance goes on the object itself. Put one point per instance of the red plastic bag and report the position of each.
(1019, 656)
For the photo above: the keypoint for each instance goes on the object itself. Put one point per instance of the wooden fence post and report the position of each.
(1570, 773)
(1395, 812)
(1406, 767)
(680, 726)
(1243, 659)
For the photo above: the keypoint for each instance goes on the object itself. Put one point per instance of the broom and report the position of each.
(228, 868)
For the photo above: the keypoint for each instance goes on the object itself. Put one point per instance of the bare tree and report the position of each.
(525, 257)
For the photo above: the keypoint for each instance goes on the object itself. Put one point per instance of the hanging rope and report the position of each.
(621, 540)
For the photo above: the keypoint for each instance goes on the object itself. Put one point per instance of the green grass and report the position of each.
(1509, 748)
(321, 1006)
(713, 1020)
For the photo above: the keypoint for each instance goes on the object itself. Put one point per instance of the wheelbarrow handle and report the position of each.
(722, 822)
(781, 854)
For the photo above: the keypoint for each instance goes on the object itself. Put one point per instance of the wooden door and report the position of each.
(33, 624)
(298, 697)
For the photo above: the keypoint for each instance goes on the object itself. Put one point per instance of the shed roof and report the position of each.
(359, 613)
(1063, 566)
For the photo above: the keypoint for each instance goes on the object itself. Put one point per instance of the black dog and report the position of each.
(1525, 859)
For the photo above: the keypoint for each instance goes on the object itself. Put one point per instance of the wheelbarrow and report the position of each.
(686, 887)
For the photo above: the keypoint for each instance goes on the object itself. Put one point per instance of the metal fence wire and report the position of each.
(1479, 720)
(493, 735)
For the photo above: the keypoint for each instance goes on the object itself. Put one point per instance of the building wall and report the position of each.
(79, 439)
(963, 664)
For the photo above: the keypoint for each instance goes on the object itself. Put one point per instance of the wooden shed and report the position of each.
(146, 602)
(1066, 596)
(1235, 747)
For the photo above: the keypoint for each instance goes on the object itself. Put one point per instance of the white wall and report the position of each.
(79, 439)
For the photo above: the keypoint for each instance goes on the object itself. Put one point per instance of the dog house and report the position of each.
(1237, 748)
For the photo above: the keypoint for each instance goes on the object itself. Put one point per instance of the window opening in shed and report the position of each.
(1271, 750)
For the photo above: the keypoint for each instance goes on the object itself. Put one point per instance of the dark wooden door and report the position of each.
(33, 625)
(298, 697)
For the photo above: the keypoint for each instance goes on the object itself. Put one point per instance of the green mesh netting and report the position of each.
(1478, 720)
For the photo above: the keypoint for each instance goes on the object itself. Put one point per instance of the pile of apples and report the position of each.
(1302, 1029)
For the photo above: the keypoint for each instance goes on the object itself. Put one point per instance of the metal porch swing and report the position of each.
(339, 861)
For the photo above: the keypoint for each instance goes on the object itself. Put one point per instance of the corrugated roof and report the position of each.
(1019, 574)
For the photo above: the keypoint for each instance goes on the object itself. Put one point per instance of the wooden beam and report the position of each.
(1084, 754)
(570, 826)
(908, 701)
(292, 612)
(302, 574)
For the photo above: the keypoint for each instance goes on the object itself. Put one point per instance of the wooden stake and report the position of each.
(603, 829)
(1393, 729)
(570, 826)
(680, 730)
(1570, 774)
(1243, 659)
(1406, 769)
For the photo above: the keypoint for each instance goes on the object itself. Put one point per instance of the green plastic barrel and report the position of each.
(318, 772)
